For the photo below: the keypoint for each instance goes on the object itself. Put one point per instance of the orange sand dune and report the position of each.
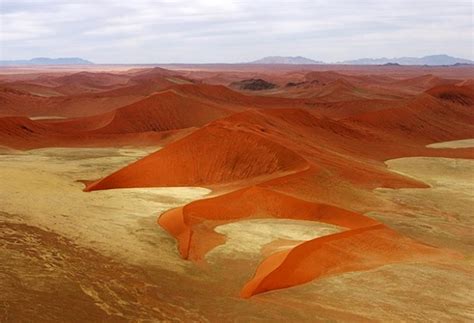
(32, 88)
(81, 94)
(459, 94)
(358, 249)
(325, 77)
(238, 101)
(23, 133)
(427, 118)
(425, 82)
(21, 103)
(14, 101)
(83, 82)
(211, 155)
(253, 202)
(160, 112)
(349, 108)
(329, 86)
(367, 243)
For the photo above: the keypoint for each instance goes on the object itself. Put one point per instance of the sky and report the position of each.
(225, 31)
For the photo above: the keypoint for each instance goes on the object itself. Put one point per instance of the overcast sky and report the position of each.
(164, 31)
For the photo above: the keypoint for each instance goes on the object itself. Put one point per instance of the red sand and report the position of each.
(312, 150)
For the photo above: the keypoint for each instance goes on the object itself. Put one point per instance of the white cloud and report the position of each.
(233, 30)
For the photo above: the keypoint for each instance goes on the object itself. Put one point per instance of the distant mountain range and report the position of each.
(292, 60)
(47, 61)
(426, 60)
(434, 60)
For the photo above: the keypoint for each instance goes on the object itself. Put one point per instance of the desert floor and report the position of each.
(103, 255)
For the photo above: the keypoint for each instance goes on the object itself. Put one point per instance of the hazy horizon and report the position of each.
(226, 31)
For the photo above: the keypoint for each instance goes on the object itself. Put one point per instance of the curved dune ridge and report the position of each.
(353, 250)
(364, 244)
(253, 202)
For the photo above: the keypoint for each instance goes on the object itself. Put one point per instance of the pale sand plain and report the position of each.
(464, 143)
(101, 254)
(248, 237)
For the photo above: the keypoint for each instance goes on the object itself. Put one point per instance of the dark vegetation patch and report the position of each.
(253, 85)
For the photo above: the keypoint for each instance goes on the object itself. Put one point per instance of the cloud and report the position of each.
(143, 31)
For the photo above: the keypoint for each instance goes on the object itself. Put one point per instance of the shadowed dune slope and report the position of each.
(211, 155)
(428, 117)
(23, 133)
(82, 94)
(463, 94)
(160, 112)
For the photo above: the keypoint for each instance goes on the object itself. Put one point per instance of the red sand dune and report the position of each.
(330, 86)
(211, 155)
(433, 116)
(82, 94)
(425, 82)
(367, 243)
(83, 82)
(253, 202)
(23, 133)
(163, 111)
(354, 250)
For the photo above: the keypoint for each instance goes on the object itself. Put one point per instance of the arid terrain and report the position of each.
(236, 193)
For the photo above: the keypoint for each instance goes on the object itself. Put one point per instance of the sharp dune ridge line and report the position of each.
(318, 147)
